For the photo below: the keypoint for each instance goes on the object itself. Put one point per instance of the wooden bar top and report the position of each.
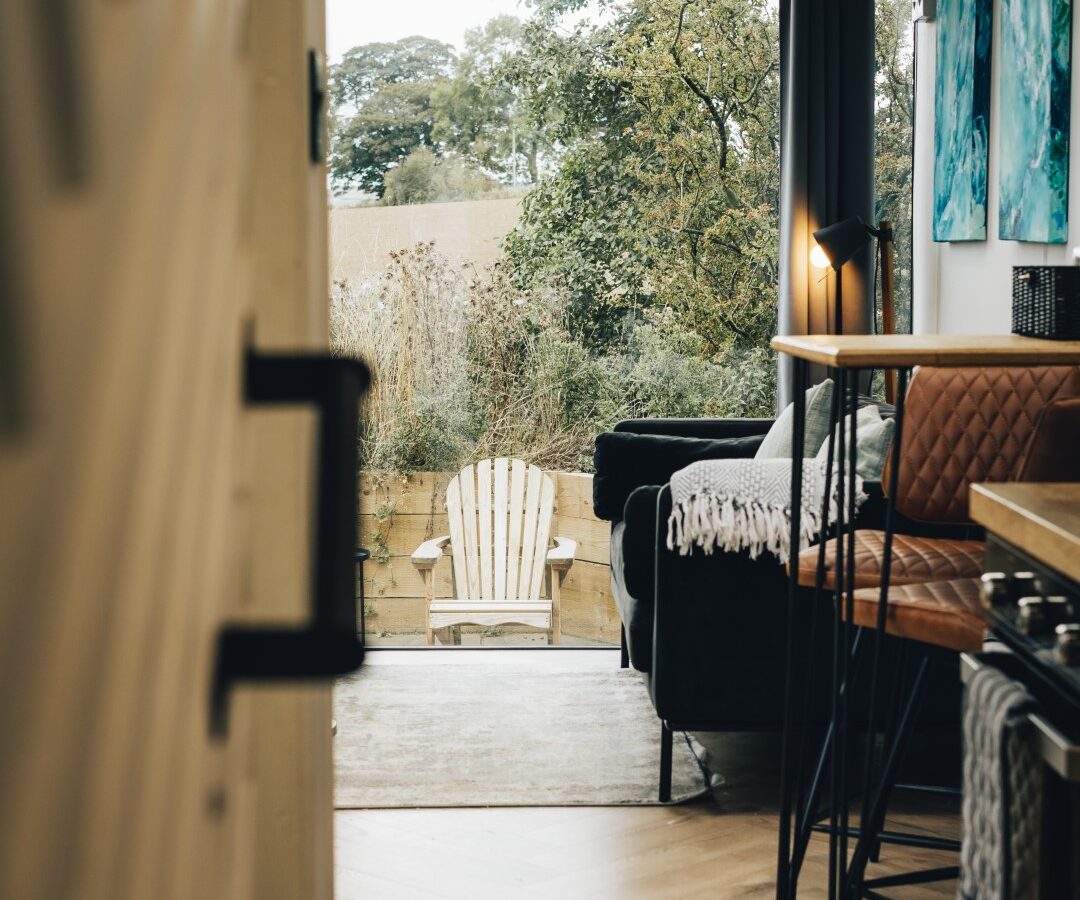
(1043, 520)
(863, 351)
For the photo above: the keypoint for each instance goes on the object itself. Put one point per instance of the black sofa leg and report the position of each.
(624, 651)
(665, 762)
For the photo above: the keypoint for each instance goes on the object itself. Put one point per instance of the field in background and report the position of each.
(465, 231)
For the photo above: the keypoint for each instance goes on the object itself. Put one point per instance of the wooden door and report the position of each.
(140, 505)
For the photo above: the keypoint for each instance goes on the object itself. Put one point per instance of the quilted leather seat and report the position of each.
(914, 560)
(942, 613)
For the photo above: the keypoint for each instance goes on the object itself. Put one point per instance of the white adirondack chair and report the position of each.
(500, 515)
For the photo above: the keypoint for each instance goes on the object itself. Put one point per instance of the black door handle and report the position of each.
(327, 646)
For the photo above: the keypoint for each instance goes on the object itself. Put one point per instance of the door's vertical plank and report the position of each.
(292, 760)
(132, 466)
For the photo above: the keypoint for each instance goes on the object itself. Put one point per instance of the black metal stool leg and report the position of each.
(852, 412)
(624, 651)
(784, 887)
(808, 686)
(808, 818)
(875, 815)
(837, 784)
(886, 570)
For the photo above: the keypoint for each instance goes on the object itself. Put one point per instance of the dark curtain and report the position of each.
(826, 161)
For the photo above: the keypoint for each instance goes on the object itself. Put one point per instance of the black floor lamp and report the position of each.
(838, 243)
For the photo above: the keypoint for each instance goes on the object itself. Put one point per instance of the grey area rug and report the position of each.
(500, 735)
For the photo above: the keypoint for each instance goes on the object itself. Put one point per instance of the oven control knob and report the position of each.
(1067, 648)
(995, 590)
(1032, 619)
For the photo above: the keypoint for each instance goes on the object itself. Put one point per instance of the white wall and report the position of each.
(966, 288)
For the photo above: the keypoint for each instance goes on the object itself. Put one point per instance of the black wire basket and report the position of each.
(1046, 302)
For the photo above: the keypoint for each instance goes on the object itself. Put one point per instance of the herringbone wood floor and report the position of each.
(716, 848)
(566, 854)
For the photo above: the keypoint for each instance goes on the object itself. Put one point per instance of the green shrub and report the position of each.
(423, 439)
(468, 365)
(423, 177)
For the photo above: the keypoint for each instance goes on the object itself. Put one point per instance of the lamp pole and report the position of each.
(888, 310)
(838, 301)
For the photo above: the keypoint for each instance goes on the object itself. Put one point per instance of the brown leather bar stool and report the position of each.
(961, 426)
(948, 614)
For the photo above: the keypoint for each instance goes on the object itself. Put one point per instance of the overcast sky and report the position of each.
(352, 22)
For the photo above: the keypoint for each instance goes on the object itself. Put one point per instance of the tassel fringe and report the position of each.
(713, 521)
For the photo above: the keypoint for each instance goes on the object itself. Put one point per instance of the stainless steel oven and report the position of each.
(1034, 617)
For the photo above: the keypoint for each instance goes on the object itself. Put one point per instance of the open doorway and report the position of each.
(527, 248)
(436, 142)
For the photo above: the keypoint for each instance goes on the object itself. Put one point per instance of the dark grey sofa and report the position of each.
(708, 632)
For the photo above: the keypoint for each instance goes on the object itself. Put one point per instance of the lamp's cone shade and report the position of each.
(843, 240)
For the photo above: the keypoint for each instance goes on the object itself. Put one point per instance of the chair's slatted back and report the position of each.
(472, 544)
(483, 521)
(543, 533)
(500, 515)
(501, 511)
(457, 538)
(516, 512)
(528, 531)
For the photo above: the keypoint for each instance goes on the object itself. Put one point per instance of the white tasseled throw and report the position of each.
(745, 504)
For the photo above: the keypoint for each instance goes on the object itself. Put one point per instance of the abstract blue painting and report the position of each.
(962, 119)
(1036, 45)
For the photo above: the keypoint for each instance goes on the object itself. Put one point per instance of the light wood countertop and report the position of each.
(860, 351)
(1043, 520)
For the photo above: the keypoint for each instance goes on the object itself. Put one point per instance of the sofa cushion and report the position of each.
(873, 438)
(778, 442)
(627, 461)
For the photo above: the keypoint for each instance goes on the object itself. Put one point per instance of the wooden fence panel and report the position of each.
(399, 513)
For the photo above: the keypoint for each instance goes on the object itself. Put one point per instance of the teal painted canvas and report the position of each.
(1036, 46)
(962, 119)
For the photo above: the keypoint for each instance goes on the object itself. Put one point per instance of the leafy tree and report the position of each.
(480, 114)
(667, 196)
(382, 107)
(365, 69)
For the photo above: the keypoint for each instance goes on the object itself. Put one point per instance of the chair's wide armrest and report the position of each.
(561, 556)
(430, 552)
